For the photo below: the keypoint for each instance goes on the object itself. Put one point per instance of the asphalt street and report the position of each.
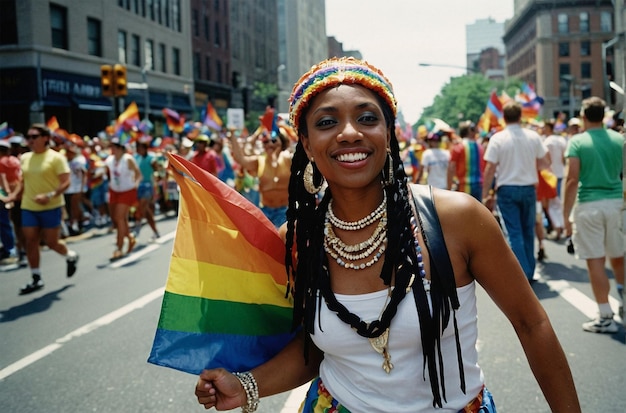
(81, 344)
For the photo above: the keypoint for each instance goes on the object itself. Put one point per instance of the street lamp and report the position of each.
(469, 69)
(279, 82)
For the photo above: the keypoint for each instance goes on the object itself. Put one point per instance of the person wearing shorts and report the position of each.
(124, 177)
(45, 177)
(593, 198)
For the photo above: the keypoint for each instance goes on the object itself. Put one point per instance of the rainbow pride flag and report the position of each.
(224, 302)
(212, 119)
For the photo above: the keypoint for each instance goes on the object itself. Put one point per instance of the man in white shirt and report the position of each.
(514, 155)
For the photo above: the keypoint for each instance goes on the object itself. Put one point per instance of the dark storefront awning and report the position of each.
(55, 100)
(102, 104)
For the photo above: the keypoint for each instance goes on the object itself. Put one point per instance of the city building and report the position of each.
(569, 50)
(253, 29)
(485, 48)
(302, 40)
(211, 51)
(51, 54)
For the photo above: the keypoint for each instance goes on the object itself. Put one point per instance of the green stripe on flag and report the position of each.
(201, 315)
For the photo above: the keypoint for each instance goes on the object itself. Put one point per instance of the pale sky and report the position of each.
(397, 35)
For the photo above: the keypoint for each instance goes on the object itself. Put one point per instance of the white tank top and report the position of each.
(122, 177)
(352, 370)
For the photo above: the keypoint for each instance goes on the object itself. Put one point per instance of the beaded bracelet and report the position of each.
(252, 391)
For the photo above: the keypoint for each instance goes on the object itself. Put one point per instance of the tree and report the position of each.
(263, 94)
(465, 97)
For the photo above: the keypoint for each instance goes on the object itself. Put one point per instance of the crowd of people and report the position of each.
(105, 183)
(343, 195)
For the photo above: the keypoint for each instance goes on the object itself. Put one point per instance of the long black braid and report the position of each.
(305, 228)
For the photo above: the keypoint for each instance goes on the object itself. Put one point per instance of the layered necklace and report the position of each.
(360, 256)
(363, 254)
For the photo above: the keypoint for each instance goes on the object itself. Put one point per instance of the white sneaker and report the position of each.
(601, 325)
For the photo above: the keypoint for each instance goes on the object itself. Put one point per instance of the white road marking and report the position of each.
(580, 301)
(87, 328)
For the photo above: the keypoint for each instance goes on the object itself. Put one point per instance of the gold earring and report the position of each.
(389, 179)
(309, 180)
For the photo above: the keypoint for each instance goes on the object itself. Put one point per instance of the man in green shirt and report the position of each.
(593, 194)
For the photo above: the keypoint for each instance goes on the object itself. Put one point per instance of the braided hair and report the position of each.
(305, 232)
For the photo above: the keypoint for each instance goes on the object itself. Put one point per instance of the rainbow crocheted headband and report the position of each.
(333, 72)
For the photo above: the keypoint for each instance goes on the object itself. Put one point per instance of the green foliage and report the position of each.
(465, 97)
(265, 91)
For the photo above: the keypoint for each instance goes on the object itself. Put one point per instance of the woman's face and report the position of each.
(347, 136)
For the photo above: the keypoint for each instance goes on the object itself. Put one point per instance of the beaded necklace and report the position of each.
(361, 223)
(377, 331)
(348, 255)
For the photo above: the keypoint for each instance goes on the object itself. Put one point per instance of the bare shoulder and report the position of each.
(464, 219)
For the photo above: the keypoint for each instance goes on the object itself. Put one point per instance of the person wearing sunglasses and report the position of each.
(45, 177)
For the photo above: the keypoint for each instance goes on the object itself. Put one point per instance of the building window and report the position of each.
(162, 58)
(216, 38)
(124, 4)
(166, 12)
(58, 24)
(584, 22)
(563, 49)
(606, 21)
(121, 46)
(136, 4)
(157, 11)
(149, 53)
(563, 20)
(585, 48)
(207, 65)
(94, 37)
(197, 69)
(8, 23)
(585, 70)
(218, 70)
(194, 23)
(150, 7)
(135, 53)
(207, 29)
(176, 61)
(564, 69)
(176, 15)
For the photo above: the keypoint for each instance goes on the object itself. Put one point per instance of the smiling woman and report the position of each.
(384, 281)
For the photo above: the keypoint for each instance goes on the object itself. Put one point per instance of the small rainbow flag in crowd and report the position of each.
(175, 122)
(212, 119)
(224, 302)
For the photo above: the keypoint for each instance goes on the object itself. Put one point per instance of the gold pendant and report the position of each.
(380, 345)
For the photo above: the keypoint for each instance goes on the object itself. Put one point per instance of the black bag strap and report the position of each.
(441, 274)
(440, 265)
